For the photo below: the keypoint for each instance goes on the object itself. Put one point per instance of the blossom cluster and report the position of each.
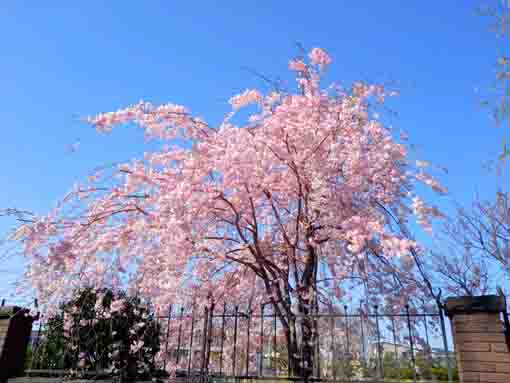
(249, 96)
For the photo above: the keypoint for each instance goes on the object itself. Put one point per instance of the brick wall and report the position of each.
(480, 344)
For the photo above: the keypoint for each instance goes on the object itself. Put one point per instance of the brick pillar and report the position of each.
(479, 338)
(15, 328)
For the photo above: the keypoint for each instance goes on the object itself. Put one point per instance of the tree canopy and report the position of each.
(311, 193)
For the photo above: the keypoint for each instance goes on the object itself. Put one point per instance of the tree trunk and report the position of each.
(292, 349)
(307, 345)
(306, 307)
(301, 354)
(300, 351)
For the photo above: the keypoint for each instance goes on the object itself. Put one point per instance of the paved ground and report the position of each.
(36, 379)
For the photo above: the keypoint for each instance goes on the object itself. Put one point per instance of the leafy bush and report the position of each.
(98, 330)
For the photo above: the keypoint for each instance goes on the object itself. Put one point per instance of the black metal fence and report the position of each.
(351, 345)
(219, 342)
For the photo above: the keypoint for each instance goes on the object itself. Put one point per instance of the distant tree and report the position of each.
(479, 238)
(390, 365)
(498, 99)
(427, 367)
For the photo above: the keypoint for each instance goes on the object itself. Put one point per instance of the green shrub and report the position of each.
(105, 341)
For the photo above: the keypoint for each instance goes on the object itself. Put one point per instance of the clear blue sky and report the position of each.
(61, 61)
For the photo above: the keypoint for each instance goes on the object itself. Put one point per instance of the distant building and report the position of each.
(401, 350)
(404, 351)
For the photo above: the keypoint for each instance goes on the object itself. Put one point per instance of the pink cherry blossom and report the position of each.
(116, 305)
(134, 348)
(319, 57)
(297, 65)
(249, 96)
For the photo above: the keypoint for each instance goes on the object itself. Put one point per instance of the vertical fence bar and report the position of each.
(177, 357)
(317, 342)
(45, 350)
(204, 340)
(362, 334)
(273, 354)
(248, 344)
(261, 362)
(429, 349)
(76, 341)
(235, 341)
(36, 304)
(64, 351)
(36, 346)
(332, 346)
(411, 342)
(191, 339)
(157, 329)
(291, 371)
(222, 335)
(317, 354)
(445, 344)
(167, 334)
(301, 353)
(397, 358)
(209, 336)
(379, 356)
(98, 353)
(348, 345)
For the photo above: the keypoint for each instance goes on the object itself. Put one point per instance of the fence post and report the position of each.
(397, 358)
(445, 345)
(363, 351)
(35, 347)
(273, 356)
(235, 342)
(261, 362)
(209, 336)
(177, 357)
(317, 345)
(167, 334)
(348, 342)
(479, 338)
(191, 340)
(222, 335)
(411, 342)
(248, 344)
(204, 340)
(379, 356)
(429, 349)
(332, 346)
(65, 348)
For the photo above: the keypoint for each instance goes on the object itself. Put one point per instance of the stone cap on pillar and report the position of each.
(475, 304)
(8, 311)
